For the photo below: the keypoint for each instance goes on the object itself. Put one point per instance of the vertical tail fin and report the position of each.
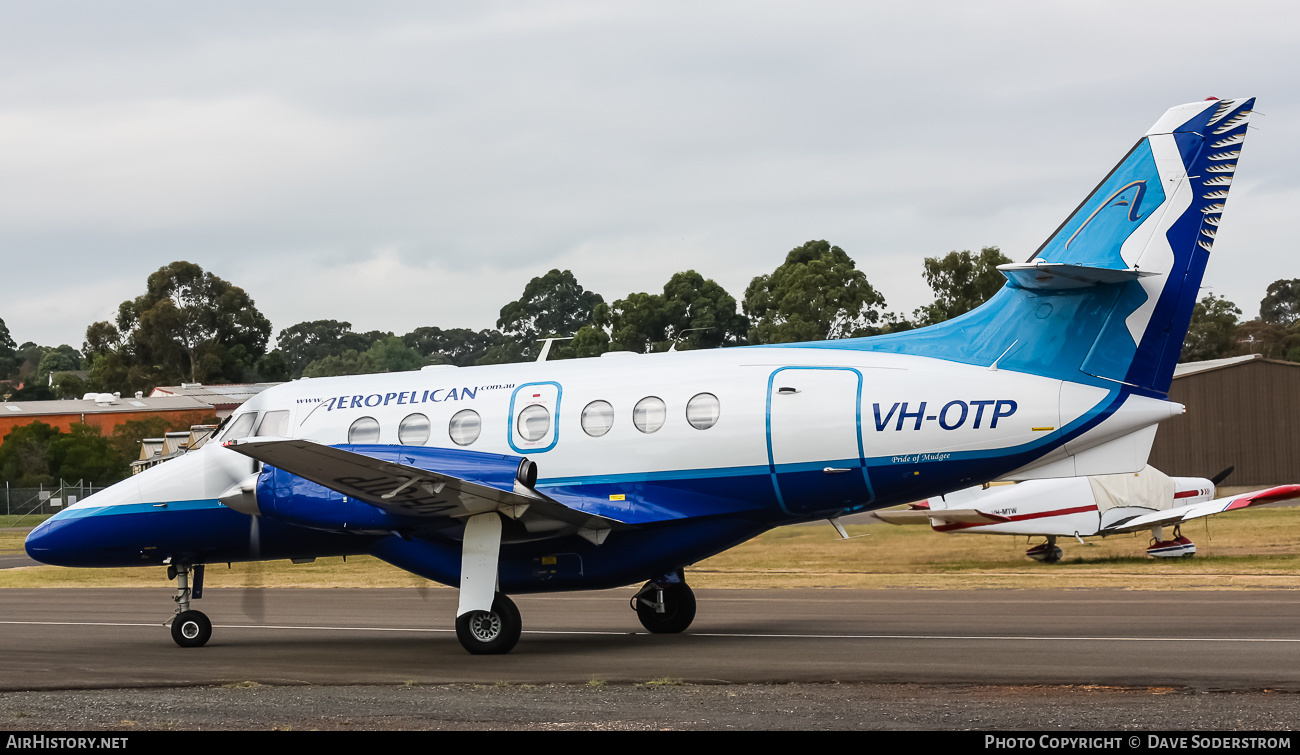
(1108, 297)
(1208, 137)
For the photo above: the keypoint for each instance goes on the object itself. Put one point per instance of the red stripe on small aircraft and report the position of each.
(1020, 518)
(1186, 494)
(1280, 493)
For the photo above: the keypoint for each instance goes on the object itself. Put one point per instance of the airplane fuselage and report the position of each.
(699, 450)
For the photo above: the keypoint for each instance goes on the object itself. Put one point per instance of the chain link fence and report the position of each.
(28, 506)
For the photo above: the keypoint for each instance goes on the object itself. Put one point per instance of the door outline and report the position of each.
(771, 457)
(555, 419)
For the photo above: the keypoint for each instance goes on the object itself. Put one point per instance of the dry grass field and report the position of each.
(1248, 549)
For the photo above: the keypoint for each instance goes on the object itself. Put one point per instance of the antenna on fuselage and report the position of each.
(546, 349)
(839, 528)
(679, 336)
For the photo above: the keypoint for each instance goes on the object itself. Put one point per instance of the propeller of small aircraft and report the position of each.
(253, 601)
(1220, 477)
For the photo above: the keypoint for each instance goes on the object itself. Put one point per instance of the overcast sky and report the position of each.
(399, 164)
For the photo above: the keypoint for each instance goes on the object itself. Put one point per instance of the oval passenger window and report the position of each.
(414, 430)
(464, 427)
(649, 413)
(364, 430)
(533, 422)
(703, 410)
(597, 418)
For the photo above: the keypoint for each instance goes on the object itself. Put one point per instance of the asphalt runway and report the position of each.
(113, 638)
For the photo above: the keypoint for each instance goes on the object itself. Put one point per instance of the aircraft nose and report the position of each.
(147, 518)
(51, 542)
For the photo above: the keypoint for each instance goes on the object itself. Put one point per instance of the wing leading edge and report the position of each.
(1180, 514)
(406, 490)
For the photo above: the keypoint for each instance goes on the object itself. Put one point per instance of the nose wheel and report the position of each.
(191, 629)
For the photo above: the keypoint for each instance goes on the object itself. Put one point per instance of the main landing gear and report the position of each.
(1048, 552)
(190, 629)
(1179, 547)
(490, 632)
(665, 605)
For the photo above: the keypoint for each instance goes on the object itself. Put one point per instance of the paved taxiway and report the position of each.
(87, 638)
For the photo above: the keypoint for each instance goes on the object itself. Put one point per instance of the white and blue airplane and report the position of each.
(599, 473)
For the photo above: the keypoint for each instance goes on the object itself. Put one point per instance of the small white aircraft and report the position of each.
(596, 473)
(1079, 507)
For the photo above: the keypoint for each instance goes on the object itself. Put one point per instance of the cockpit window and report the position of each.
(240, 427)
(274, 424)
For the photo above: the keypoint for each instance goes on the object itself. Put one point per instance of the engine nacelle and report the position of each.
(293, 499)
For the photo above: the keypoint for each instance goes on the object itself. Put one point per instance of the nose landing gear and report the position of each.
(190, 629)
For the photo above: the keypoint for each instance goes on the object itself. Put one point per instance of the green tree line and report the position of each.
(189, 325)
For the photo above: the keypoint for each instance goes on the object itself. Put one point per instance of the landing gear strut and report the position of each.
(490, 632)
(190, 629)
(665, 605)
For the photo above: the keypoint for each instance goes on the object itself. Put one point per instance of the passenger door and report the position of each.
(813, 437)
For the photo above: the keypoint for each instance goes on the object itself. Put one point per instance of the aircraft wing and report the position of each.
(407, 490)
(1180, 514)
(939, 517)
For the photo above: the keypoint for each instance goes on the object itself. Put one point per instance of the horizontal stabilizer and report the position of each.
(939, 517)
(1043, 275)
(1182, 514)
(1126, 454)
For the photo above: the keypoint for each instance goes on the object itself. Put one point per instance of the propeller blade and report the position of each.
(1220, 477)
(254, 598)
(254, 538)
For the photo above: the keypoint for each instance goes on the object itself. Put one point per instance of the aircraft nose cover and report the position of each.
(69, 538)
(42, 544)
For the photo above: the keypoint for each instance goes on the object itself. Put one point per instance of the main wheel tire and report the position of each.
(679, 609)
(1046, 553)
(191, 629)
(490, 632)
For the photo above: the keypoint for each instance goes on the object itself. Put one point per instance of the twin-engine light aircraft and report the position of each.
(1079, 507)
(598, 473)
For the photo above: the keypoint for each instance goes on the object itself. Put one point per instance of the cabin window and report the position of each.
(414, 430)
(702, 411)
(649, 414)
(275, 424)
(364, 430)
(464, 427)
(241, 426)
(533, 422)
(597, 418)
